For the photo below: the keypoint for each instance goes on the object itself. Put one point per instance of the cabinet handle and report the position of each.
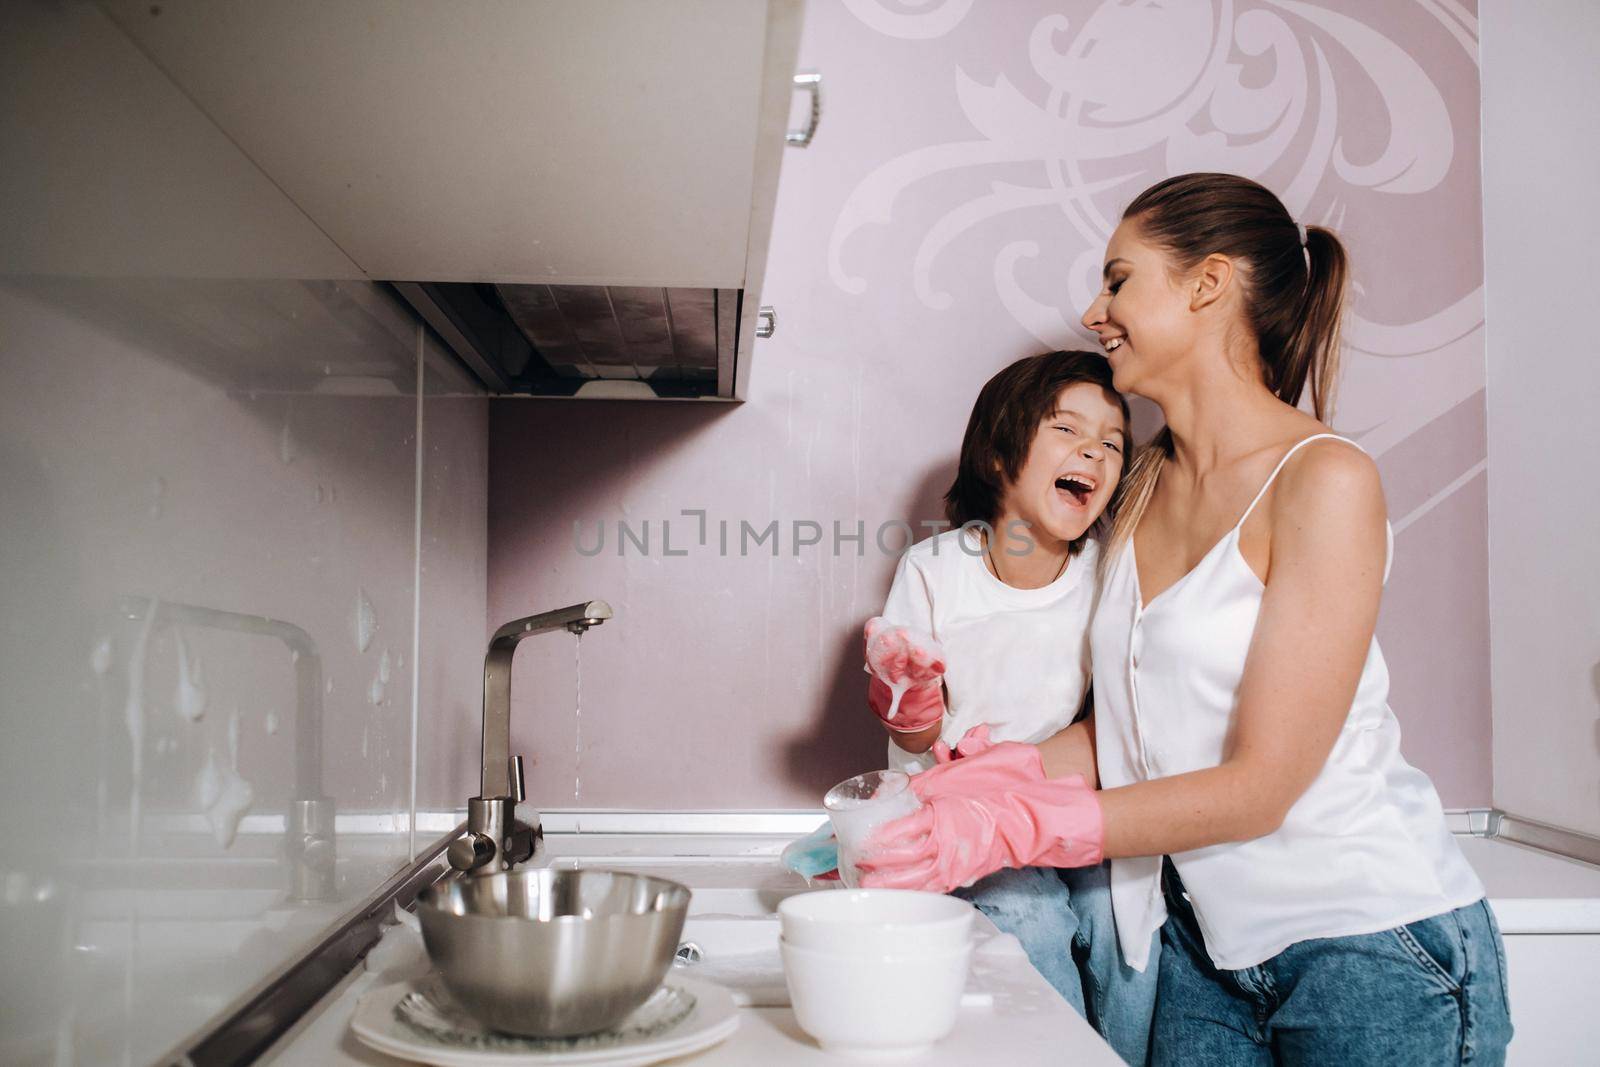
(811, 82)
(766, 321)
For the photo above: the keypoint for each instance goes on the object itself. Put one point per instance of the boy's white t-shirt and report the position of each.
(1017, 659)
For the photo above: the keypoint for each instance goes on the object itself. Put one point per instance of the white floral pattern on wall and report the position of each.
(1280, 91)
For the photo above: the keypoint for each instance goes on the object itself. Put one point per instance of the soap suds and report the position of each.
(898, 689)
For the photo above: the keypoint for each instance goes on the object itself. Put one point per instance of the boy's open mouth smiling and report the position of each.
(1077, 486)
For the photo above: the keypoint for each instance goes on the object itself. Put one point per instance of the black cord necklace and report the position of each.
(988, 555)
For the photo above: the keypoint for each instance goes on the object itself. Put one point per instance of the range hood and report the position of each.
(588, 341)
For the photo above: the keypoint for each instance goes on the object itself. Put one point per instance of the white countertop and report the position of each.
(738, 875)
(1027, 1023)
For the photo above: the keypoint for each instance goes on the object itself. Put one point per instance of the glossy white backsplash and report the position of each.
(244, 456)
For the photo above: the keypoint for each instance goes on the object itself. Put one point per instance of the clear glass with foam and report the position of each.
(859, 805)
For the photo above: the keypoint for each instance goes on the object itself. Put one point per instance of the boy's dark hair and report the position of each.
(1004, 420)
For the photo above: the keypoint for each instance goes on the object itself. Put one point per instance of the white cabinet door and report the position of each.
(1552, 980)
(107, 170)
(607, 142)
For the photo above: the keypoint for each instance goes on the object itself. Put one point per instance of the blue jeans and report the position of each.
(1431, 992)
(1063, 919)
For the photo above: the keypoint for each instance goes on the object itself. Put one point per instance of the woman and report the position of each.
(1313, 906)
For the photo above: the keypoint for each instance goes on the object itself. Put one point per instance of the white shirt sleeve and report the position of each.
(910, 600)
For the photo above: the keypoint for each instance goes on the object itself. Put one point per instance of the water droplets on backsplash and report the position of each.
(100, 657)
(320, 494)
(133, 719)
(221, 793)
(327, 686)
(271, 723)
(190, 699)
(366, 620)
(287, 449)
(380, 680)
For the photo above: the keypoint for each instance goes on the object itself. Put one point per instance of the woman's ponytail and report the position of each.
(1312, 352)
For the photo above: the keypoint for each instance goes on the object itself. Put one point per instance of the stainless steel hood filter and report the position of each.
(586, 340)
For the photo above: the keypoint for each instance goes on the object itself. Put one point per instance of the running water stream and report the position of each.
(577, 753)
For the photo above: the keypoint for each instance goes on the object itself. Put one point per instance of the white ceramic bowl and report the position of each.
(875, 921)
(875, 1006)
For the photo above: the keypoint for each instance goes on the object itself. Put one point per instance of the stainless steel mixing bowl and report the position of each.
(549, 953)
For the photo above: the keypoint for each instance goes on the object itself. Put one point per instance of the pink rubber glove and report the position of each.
(982, 813)
(972, 742)
(912, 663)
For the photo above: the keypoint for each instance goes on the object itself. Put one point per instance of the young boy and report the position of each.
(987, 624)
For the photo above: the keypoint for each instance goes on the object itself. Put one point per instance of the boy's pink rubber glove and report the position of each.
(906, 690)
(982, 813)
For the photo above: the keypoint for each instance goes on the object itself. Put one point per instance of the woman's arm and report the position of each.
(1324, 580)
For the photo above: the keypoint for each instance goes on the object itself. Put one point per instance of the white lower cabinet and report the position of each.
(1552, 980)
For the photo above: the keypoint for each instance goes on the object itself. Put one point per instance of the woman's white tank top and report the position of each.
(1365, 848)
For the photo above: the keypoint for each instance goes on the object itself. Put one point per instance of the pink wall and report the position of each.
(949, 218)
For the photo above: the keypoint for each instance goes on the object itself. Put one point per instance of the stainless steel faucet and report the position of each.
(310, 847)
(495, 839)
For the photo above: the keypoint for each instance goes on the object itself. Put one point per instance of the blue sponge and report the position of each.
(815, 854)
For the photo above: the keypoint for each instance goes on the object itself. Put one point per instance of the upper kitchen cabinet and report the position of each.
(568, 190)
(107, 170)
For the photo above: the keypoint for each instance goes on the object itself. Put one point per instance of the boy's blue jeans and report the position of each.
(1063, 919)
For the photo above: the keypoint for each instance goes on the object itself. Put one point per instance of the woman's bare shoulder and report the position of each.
(1331, 482)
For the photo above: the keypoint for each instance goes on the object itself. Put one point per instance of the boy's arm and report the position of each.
(919, 742)
(1072, 750)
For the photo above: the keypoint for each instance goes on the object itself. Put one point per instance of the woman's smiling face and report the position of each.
(1142, 315)
(1072, 468)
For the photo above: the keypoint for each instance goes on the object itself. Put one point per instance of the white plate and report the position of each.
(713, 1019)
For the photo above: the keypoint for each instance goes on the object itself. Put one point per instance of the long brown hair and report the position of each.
(1005, 419)
(1293, 297)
